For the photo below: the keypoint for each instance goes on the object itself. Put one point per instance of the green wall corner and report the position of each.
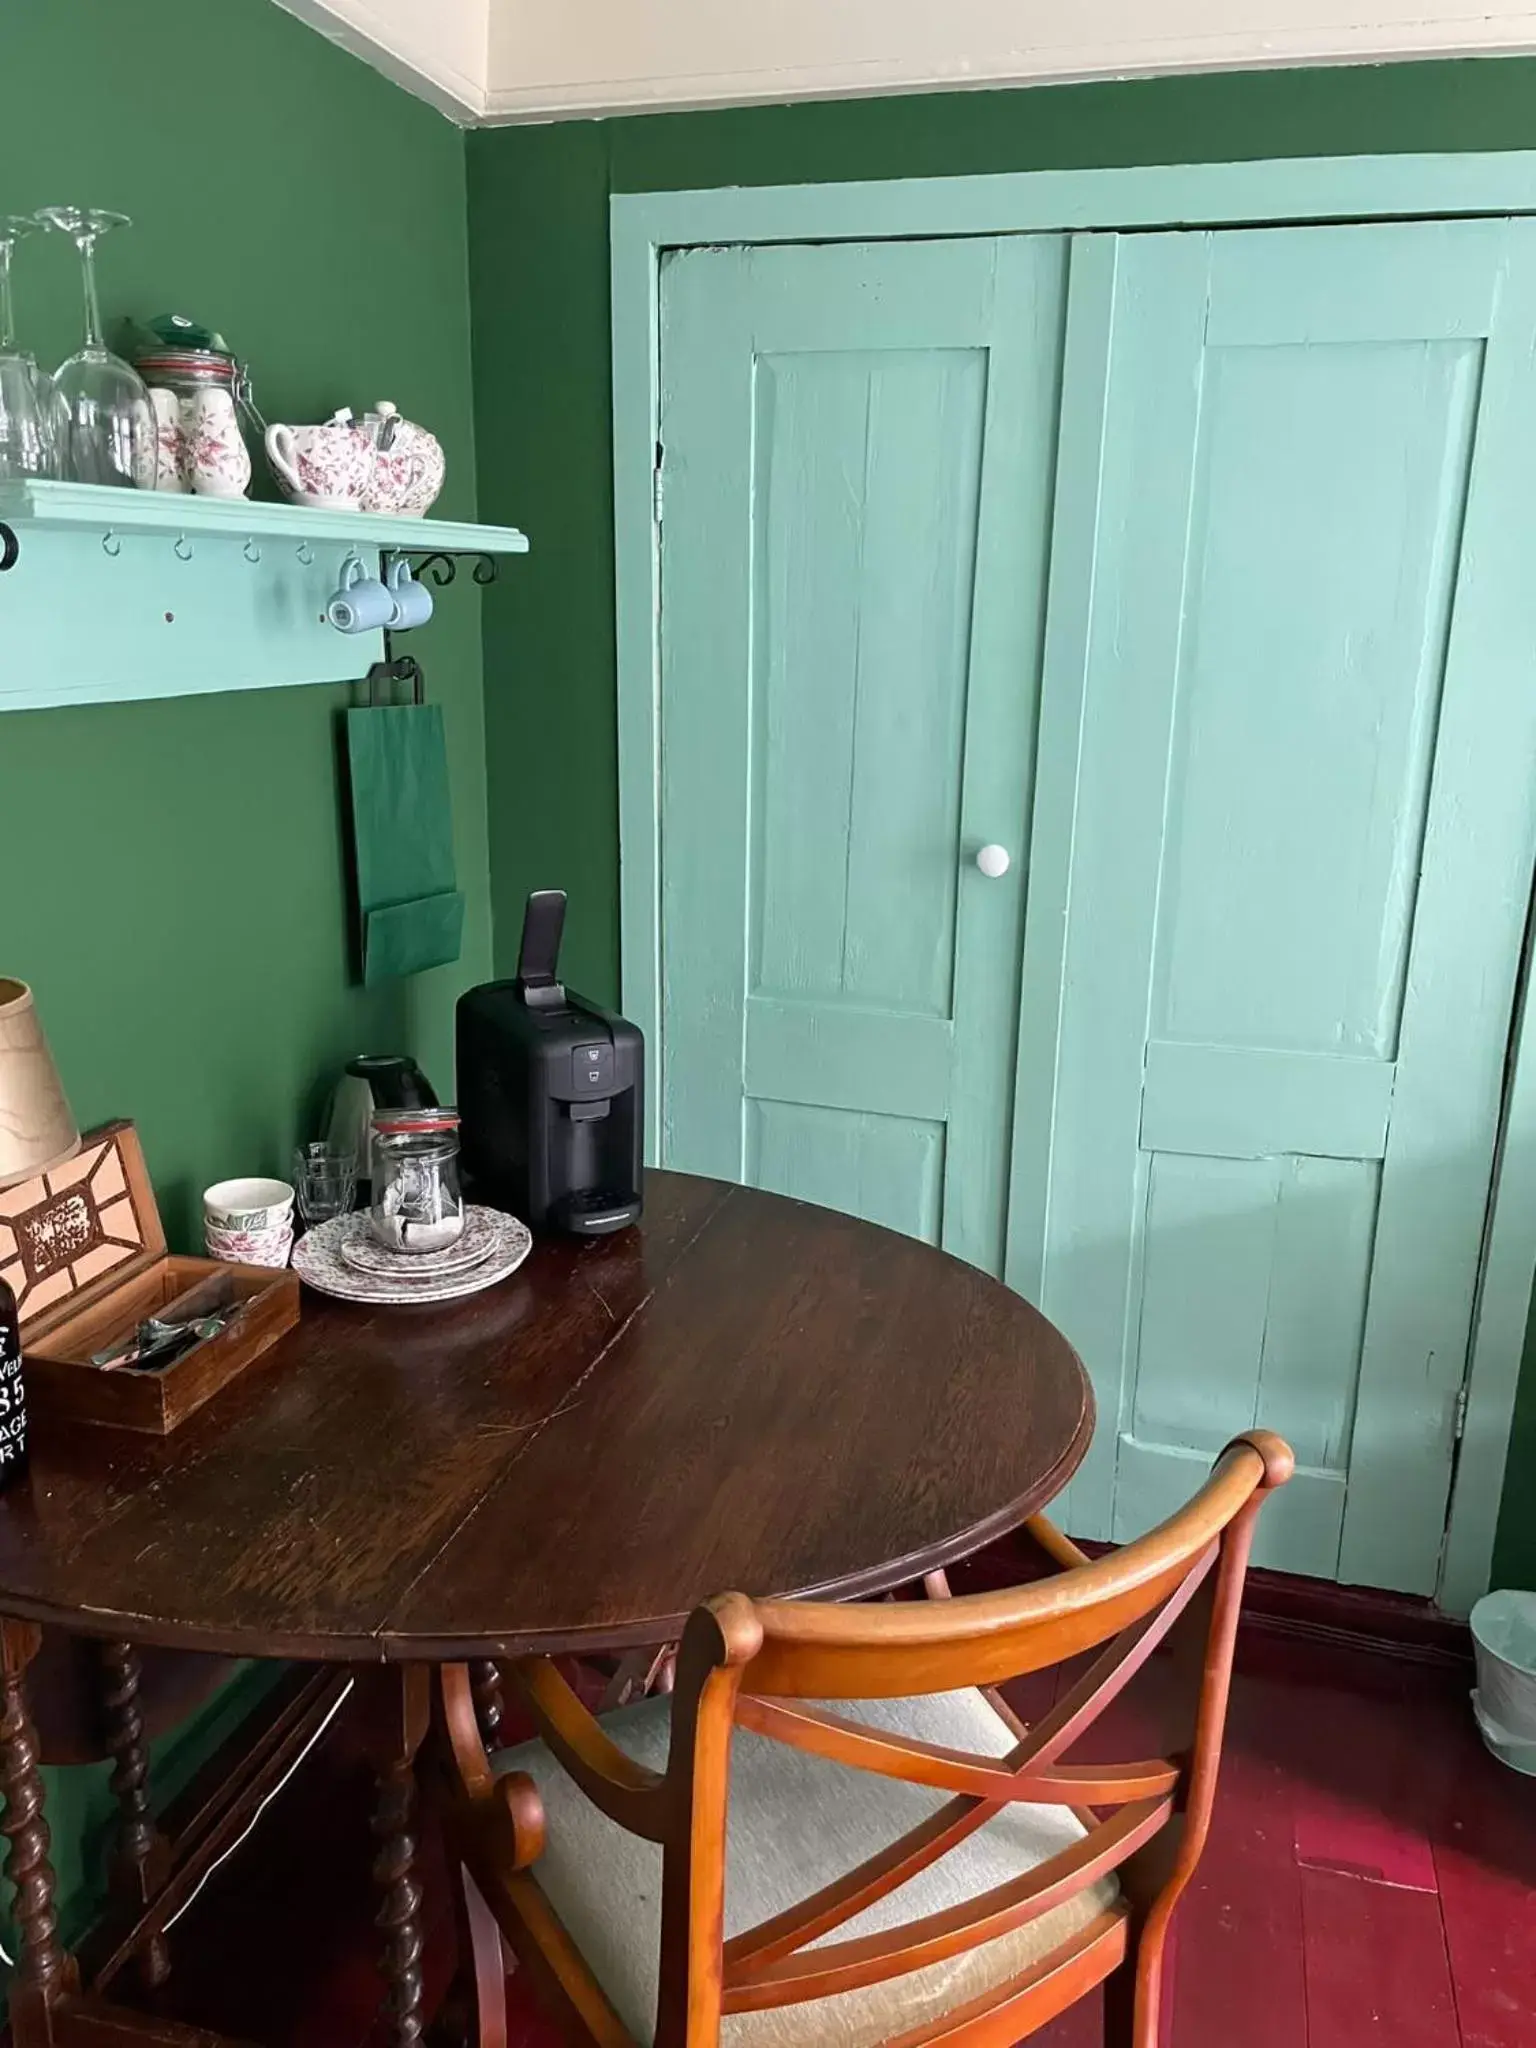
(174, 875)
(179, 898)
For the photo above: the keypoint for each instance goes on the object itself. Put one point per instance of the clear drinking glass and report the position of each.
(27, 441)
(111, 423)
(325, 1180)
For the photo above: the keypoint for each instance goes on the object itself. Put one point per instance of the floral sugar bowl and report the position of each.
(328, 466)
(408, 463)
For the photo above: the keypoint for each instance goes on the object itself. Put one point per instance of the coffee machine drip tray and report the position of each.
(595, 1212)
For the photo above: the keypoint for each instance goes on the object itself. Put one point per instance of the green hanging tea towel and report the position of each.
(402, 839)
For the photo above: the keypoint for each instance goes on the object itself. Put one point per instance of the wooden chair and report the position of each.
(744, 1864)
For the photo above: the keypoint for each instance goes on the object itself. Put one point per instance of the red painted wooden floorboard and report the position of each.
(528, 2028)
(1376, 1966)
(1369, 1785)
(1240, 1975)
(1485, 1858)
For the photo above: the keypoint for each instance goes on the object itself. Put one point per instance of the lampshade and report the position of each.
(36, 1128)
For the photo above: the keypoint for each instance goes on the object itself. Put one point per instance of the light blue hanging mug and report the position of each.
(361, 603)
(413, 600)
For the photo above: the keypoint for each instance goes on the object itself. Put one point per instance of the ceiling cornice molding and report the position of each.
(462, 55)
(414, 61)
(1503, 35)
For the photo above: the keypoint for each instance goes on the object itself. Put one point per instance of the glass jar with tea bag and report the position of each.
(417, 1203)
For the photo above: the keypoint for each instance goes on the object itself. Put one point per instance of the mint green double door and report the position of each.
(1098, 715)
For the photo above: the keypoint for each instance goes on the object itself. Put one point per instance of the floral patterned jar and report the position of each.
(189, 374)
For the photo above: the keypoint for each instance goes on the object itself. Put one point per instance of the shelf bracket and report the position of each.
(10, 547)
(444, 565)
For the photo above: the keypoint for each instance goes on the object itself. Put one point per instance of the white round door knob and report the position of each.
(993, 861)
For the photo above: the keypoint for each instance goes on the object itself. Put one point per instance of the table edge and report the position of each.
(385, 1647)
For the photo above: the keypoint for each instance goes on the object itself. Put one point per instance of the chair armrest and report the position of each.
(629, 1793)
(507, 1805)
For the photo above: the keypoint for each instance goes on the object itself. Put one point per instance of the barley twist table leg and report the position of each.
(44, 1973)
(485, 1681)
(139, 1854)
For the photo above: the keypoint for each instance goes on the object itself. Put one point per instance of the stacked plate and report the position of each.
(344, 1258)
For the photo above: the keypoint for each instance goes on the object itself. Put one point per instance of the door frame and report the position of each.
(645, 226)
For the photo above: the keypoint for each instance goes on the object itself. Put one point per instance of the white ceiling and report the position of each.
(486, 61)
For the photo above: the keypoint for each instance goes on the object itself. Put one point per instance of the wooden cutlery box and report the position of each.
(83, 1250)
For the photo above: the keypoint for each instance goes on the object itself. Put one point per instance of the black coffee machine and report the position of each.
(551, 1092)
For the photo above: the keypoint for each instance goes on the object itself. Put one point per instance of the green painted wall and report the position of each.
(173, 881)
(177, 891)
(538, 204)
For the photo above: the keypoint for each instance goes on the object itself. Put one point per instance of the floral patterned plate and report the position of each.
(319, 1262)
(480, 1237)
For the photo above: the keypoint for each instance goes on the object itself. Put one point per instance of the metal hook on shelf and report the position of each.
(251, 552)
(306, 553)
(182, 548)
(402, 668)
(10, 548)
(111, 543)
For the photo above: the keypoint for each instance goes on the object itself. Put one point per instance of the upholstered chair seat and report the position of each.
(796, 1822)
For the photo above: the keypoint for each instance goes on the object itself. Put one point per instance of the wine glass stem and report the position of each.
(87, 248)
(7, 310)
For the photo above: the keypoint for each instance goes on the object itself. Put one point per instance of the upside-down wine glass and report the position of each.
(27, 439)
(111, 422)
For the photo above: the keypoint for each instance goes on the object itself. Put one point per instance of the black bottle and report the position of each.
(13, 1403)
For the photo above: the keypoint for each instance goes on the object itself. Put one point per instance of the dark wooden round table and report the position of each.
(746, 1393)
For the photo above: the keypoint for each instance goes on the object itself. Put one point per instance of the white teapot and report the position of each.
(408, 463)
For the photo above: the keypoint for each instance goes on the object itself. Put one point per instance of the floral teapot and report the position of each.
(408, 463)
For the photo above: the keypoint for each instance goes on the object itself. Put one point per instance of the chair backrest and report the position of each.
(757, 1664)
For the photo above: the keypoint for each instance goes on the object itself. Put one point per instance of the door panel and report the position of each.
(1330, 481)
(858, 458)
(1295, 859)
(887, 1169)
(865, 580)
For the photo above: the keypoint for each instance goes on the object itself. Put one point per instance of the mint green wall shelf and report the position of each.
(121, 594)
